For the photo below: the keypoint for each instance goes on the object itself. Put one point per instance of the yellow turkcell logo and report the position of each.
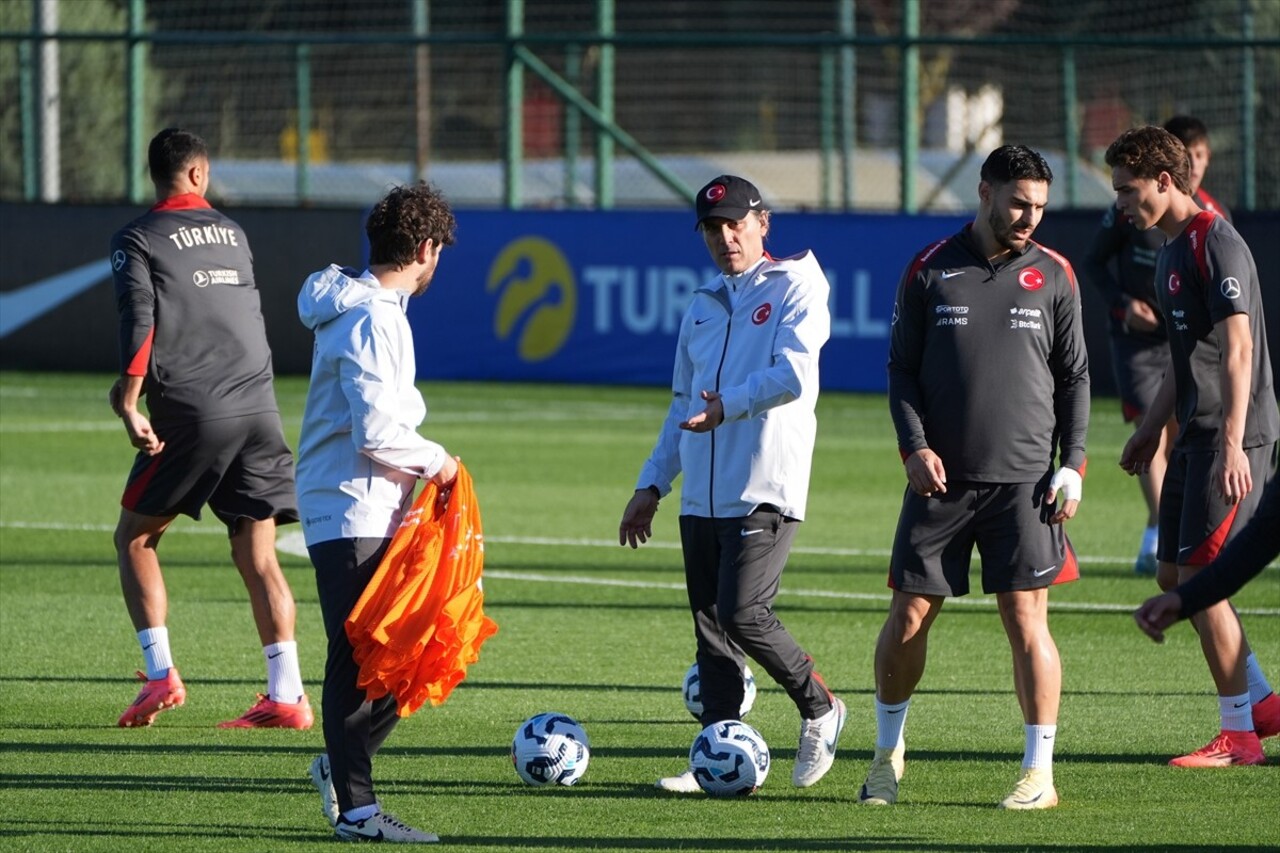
(537, 299)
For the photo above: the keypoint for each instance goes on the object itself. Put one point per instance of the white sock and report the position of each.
(360, 813)
(1038, 752)
(890, 721)
(1259, 688)
(1236, 713)
(1150, 538)
(156, 656)
(284, 677)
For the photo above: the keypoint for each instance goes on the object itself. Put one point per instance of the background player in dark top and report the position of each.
(1121, 264)
(1194, 136)
(1227, 421)
(988, 380)
(192, 338)
(1243, 559)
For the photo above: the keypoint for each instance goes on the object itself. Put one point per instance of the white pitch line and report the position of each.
(291, 542)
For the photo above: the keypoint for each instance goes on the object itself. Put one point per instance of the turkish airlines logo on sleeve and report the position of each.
(1175, 283)
(1231, 288)
(1031, 279)
(761, 314)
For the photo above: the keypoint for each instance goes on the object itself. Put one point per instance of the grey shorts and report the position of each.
(1009, 524)
(1195, 523)
(240, 466)
(1139, 368)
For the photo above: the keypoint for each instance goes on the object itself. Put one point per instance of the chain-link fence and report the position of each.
(819, 101)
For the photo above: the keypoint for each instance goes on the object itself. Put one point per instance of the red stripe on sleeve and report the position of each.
(141, 358)
(1197, 232)
(1063, 262)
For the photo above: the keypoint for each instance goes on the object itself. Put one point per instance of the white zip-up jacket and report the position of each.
(360, 454)
(755, 339)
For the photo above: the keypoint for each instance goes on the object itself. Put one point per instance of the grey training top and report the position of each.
(190, 314)
(987, 363)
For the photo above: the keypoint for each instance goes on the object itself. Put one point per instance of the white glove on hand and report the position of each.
(1068, 482)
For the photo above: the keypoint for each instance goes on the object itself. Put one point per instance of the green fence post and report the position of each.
(848, 105)
(303, 56)
(909, 101)
(1071, 132)
(826, 124)
(572, 126)
(134, 156)
(513, 142)
(27, 109)
(604, 91)
(421, 90)
(1248, 127)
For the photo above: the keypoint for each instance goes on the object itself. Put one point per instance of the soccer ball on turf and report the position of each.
(692, 691)
(729, 759)
(550, 749)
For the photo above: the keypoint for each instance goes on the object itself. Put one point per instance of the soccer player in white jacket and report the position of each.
(741, 429)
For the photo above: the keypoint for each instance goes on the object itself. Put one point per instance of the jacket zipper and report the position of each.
(711, 479)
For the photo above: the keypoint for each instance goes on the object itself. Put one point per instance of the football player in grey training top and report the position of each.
(192, 338)
(989, 391)
(1222, 391)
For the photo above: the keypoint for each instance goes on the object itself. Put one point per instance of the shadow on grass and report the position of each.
(162, 832)
(26, 828)
(838, 843)
(502, 751)
(478, 682)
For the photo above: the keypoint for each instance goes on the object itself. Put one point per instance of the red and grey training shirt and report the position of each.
(1203, 276)
(987, 363)
(190, 314)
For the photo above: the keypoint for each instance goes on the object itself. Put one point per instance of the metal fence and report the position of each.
(827, 104)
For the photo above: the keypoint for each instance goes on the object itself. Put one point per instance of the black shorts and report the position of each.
(1195, 523)
(241, 467)
(1009, 523)
(1139, 367)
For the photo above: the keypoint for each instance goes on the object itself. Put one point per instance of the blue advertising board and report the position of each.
(591, 297)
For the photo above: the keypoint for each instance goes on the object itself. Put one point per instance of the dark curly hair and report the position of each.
(405, 217)
(1015, 163)
(1148, 151)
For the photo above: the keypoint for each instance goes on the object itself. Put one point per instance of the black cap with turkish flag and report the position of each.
(728, 197)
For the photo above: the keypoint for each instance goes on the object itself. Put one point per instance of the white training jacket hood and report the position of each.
(360, 455)
(754, 339)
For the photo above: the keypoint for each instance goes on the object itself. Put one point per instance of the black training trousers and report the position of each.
(732, 569)
(354, 727)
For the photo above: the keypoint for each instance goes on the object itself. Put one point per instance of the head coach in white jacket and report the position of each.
(741, 429)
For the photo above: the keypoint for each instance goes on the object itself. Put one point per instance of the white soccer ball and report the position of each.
(729, 759)
(692, 691)
(550, 749)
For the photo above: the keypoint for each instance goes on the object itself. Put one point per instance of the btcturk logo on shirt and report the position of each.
(1025, 318)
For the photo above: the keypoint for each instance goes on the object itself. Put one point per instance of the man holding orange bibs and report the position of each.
(359, 458)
